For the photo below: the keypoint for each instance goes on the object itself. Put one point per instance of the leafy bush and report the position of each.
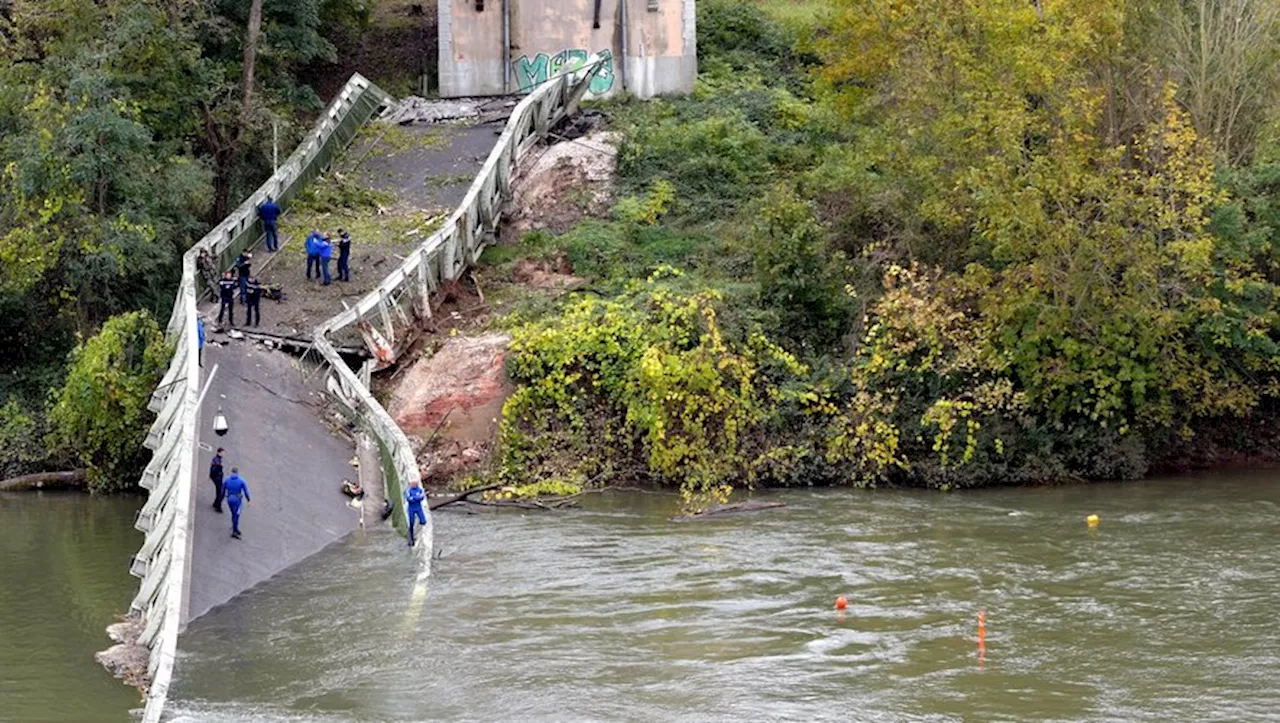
(800, 278)
(21, 440)
(644, 385)
(100, 416)
(741, 37)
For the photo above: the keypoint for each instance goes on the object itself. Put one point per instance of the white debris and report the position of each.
(422, 110)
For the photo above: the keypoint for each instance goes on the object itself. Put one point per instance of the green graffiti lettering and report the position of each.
(531, 72)
(604, 79)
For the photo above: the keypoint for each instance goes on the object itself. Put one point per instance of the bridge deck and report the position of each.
(294, 465)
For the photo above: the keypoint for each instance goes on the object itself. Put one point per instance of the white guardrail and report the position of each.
(163, 561)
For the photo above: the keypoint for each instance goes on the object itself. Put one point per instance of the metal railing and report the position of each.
(163, 562)
(404, 296)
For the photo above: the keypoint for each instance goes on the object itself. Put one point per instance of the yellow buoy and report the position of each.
(1092, 520)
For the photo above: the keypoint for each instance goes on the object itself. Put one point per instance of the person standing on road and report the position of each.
(269, 212)
(234, 488)
(344, 255)
(200, 338)
(253, 298)
(313, 253)
(242, 272)
(326, 253)
(215, 476)
(227, 292)
(414, 497)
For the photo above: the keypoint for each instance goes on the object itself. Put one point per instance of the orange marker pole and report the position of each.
(982, 639)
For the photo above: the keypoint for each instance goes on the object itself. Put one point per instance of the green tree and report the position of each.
(100, 416)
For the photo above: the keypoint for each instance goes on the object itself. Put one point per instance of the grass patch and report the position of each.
(372, 217)
(797, 14)
(455, 179)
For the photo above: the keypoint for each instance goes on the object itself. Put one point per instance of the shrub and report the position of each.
(645, 385)
(800, 278)
(99, 418)
(21, 440)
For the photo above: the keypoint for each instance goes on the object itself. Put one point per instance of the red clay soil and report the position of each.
(464, 380)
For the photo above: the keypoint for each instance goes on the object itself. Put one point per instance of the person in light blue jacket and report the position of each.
(234, 488)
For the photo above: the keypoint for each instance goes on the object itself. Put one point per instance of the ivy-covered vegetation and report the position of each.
(928, 243)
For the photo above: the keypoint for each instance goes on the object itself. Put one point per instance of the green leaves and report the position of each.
(644, 384)
(100, 416)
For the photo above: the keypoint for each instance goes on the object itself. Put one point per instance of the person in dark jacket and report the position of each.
(414, 496)
(269, 212)
(227, 293)
(313, 253)
(253, 299)
(326, 253)
(235, 488)
(215, 476)
(243, 262)
(344, 255)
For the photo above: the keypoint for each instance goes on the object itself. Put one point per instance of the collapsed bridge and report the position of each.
(187, 564)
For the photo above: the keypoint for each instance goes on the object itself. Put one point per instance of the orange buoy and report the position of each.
(841, 603)
(982, 628)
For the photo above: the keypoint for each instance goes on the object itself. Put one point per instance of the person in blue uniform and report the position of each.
(236, 491)
(344, 255)
(243, 261)
(227, 293)
(326, 253)
(200, 339)
(414, 496)
(313, 253)
(269, 212)
(215, 476)
(253, 301)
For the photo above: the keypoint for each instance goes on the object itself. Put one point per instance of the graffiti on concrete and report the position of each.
(530, 72)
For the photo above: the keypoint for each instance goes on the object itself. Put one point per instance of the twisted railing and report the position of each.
(403, 299)
(163, 562)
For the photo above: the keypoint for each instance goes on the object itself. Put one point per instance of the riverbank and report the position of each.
(812, 271)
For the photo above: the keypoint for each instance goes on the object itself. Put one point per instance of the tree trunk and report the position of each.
(42, 480)
(226, 153)
(748, 506)
(250, 59)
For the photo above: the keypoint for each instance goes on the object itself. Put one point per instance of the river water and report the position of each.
(1165, 612)
(64, 560)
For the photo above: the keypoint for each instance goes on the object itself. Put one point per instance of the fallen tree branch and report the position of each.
(750, 506)
(42, 480)
(462, 496)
